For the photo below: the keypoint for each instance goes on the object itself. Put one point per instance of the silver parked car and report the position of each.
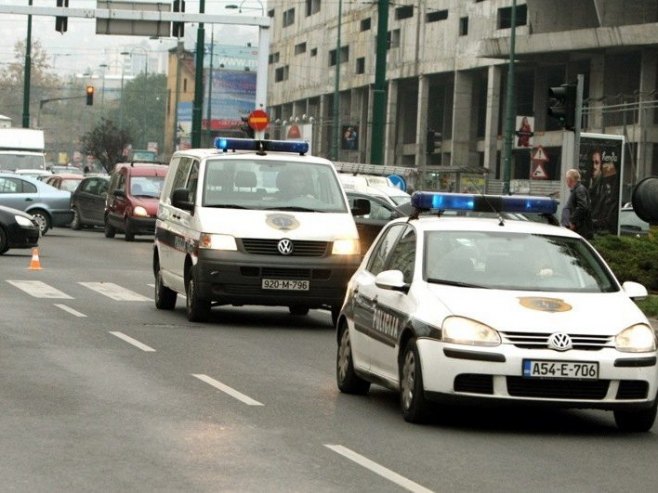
(49, 207)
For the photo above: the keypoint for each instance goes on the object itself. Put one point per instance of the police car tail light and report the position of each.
(346, 247)
(483, 203)
(217, 242)
(459, 330)
(234, 144)
(636, 339)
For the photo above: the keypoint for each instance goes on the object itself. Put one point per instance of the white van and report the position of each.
(253, 222)
(377, 185)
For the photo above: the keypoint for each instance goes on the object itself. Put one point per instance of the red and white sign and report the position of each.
(258, 120)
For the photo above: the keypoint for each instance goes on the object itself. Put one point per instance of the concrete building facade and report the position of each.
(447, 70)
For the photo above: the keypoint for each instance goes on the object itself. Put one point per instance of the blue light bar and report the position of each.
(483, 203)
(235, 144)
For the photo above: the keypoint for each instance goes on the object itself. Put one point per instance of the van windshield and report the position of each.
(12, 162)
(272, 185)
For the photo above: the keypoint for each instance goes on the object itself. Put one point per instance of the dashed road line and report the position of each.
(70, 310)
(382, 471)
(39, 289)
(132, 341)
(114, 291)
(227, 390)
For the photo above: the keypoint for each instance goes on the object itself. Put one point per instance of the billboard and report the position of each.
(232, 96)
(601, 164)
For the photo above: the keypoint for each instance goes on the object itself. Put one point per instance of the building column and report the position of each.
(596, 94)
(646, 113)
(494, 77)
(421, 122)
(390, 141)
(461, 121)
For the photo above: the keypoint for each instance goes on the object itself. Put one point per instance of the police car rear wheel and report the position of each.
(335, 311)
(636, 421)
(165, 298)
(415, 407)
(197, 308)
(348, 381)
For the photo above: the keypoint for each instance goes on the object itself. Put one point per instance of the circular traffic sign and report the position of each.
(258, 120)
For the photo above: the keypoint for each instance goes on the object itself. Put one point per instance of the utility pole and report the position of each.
(198, 82)
(179, 55)
(578, 121)
(379, 90)
(28, 70)
(209, 106)
(510, 107)
(336, 109)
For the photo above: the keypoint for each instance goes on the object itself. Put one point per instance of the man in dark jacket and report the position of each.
(579, 206)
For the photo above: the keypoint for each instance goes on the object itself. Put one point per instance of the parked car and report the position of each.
(64, 181)
(88, 202)
(631, 224)
(371, 219)
(17, 229)
(39, 174)
(50, 207)
(131, 206)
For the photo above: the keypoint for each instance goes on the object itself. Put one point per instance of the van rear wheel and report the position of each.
(197, 308)
(165, 298)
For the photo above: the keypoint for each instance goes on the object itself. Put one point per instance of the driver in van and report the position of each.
(292, 184)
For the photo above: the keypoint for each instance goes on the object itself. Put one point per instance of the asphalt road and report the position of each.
(102, 392)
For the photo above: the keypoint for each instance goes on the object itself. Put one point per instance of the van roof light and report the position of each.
(235, 144)
(483, 203)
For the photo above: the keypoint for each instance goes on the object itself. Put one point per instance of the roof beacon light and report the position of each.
(483, 203)
(234, 144)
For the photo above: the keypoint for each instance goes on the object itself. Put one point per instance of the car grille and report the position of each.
(473, 383)
(557, 389)
(527, 340)
(255, 246)
(285, 273)
(632, 389)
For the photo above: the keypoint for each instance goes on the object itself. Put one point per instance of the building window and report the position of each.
(365, 24)
(288, 17)
(270, 13)
(300, 48)
(404, 12)
(312, 7)
(314, 52)
(463, 26)
(437, 15)
(361, 65)
(281, 74)
(393, 39)
(274, 58)
(344, 55)
(505, 16)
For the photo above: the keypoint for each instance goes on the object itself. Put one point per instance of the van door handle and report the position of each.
(28, 200)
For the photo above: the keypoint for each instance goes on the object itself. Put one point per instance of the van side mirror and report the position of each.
(180, 199)
(361, 207)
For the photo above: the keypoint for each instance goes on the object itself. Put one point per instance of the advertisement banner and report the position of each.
(601, 166)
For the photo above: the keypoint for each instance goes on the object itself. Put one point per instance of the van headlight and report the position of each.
(346, 247)
(636, 339)
(459, 330)
(217, 242)
(140, 211)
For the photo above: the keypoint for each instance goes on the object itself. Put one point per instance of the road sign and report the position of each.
(398, 181)
(258, 120)
(539, 154)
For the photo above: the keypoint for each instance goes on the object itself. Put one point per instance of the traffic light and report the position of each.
(562, 104)
(434, 141)
(90, 95)
(178, 28)
(61, 23)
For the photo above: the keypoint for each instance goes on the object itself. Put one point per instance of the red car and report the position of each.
(132, 199)
(64, 181)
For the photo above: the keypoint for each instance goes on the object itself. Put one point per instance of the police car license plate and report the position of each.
(560, 369)
(286, 284)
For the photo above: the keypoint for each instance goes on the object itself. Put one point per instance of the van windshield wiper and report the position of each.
(434, 280)
(227, 206)
(292, 208)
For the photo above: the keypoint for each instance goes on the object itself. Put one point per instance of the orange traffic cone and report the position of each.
(35, 263)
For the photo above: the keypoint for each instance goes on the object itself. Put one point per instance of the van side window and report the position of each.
(193, 181)
(180, 178)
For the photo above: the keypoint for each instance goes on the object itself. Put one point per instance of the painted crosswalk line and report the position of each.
(114, 291)
(39, 289)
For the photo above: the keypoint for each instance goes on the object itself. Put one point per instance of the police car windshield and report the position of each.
(514, 261)
(269, 184)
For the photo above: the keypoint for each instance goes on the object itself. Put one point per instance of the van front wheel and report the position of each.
(197, 308)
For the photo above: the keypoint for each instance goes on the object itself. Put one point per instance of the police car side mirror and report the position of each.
(179, 199)
(361, 207)
(634, 290)
(392, 280)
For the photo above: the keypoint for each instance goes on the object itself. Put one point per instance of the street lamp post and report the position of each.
(123, 70)
(239, 7)
(103, 66)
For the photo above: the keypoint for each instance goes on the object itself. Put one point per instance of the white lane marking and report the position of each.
(377, 469)
(40, 289)
(132, 341)
(227, 390)
(114, 291)
(70, 310)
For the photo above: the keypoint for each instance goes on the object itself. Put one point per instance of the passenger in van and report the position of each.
(292, 184)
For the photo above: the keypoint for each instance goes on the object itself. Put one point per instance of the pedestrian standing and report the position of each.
(579, 206)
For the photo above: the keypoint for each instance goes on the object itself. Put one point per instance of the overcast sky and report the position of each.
(81, 49)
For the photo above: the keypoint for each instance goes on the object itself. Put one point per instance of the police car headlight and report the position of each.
(217, 242)
(23, 221)
(636, 339)
(459, 330)
(140, 211)
(346, 247)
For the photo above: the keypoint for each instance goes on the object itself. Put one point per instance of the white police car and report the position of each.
(449, 308)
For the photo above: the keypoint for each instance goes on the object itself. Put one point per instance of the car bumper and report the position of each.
(62, 218)
(237, 278)
(453, 373)
(20, 237)
(141, 225)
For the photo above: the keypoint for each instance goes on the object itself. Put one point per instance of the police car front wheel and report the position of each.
(639, 420)
(197, 308)
(415, 408)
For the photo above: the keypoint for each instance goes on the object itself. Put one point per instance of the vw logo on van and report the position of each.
(284, 246)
